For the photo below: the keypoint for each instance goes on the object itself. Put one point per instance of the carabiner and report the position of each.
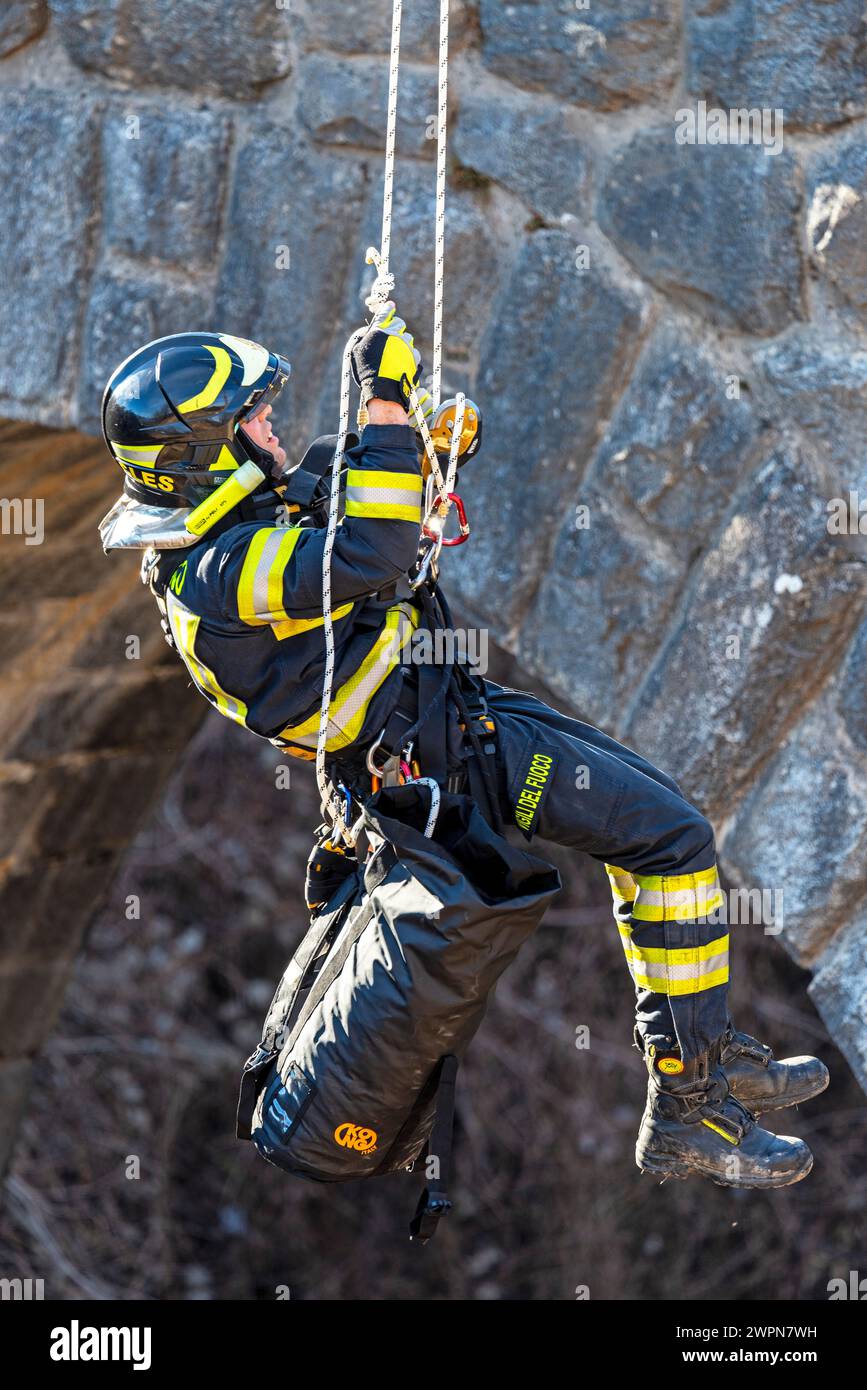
(370, 764)
(463, 524)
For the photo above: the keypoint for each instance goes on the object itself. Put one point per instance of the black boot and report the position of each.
(693, 1124)
(761, 1083)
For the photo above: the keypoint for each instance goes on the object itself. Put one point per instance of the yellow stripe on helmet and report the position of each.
(215, 383)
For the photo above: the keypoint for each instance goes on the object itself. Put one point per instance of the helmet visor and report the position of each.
(282, 371)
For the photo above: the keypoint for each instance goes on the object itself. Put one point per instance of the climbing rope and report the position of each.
(331, 807)
(440, 254)
(383, 285)
(439, 489)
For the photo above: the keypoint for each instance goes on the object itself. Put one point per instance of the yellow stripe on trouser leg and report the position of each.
(677, 948)
(677, 897)
(623, 891)
(686, 970)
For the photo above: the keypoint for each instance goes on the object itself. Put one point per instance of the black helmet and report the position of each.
(170, 417)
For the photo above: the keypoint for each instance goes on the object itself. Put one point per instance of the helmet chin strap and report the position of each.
(254, 452)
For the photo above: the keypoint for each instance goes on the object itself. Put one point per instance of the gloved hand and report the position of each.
(385, 362)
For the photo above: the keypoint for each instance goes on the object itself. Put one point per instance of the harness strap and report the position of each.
(480, 729)
(434, 1204)
(377, 869)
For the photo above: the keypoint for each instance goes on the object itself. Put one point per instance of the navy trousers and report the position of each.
(572, 784)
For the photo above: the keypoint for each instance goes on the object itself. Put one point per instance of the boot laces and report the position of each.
(749, 1046)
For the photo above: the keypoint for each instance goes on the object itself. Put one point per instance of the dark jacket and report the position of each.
(245, 609)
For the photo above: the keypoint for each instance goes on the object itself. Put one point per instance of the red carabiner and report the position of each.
(463, 524)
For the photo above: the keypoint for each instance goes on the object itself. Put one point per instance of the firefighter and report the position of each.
(233, 543)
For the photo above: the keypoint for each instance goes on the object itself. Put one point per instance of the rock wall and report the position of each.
(94, 713)
(668, 338)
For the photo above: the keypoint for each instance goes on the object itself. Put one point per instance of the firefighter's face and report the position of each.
(260, 431)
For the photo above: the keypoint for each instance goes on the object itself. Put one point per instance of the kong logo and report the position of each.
(532, 793)
(356, 1137)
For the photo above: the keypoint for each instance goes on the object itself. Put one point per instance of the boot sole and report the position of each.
(671, 1167)
(767, 1107)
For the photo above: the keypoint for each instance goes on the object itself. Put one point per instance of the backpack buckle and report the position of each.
(432, 1207)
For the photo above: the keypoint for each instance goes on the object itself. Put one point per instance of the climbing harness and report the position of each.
(457, 422)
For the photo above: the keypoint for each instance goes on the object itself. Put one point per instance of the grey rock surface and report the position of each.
(852, 694)
(287, 256)
(770, 610)
(617, 571)
(599, 56)
(839, 991)
(559, 384)
(344, 101)
(808, 59)
(684, 430)
(822, 388)
(21, 21)
(177, 43)
(802, 831)
(837, 222)
(534, 149)
(166, 179)
(603, 600)
(126, 309)
(715, 226)
(46, 245)
(324, 25)
(473, 260)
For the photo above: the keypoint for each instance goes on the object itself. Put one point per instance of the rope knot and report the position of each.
(382, 288)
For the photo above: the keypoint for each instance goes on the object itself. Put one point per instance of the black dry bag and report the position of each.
(355, 1071)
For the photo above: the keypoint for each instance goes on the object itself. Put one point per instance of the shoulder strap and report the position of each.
(337, 957)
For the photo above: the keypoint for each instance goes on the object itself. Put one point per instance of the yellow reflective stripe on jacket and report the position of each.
(685, 970)
(184, 626)
(677, 897)
(350, 703)
(260, 587)
(290, 627)
(378, 493)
